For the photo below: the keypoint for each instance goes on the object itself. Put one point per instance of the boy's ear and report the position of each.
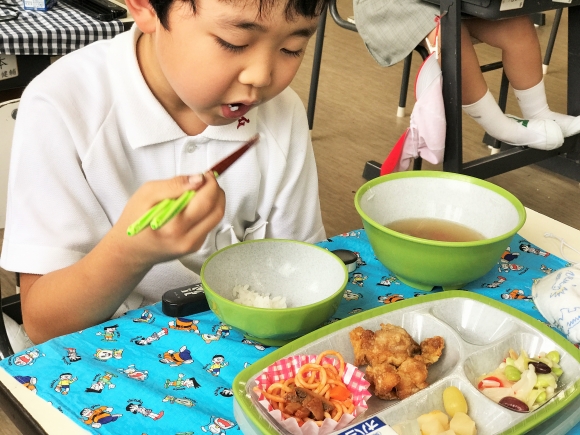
(143, 14)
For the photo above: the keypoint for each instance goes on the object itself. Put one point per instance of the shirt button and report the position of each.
(191, 148)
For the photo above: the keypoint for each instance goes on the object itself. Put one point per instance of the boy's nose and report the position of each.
(257, 74)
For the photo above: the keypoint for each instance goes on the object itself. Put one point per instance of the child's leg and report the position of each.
(481, 106)
(522, 61)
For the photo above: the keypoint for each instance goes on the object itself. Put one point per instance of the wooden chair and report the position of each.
(9, 305)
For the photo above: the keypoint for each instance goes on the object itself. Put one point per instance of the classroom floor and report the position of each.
(356, 121)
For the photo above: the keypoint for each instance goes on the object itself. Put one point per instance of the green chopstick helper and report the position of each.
(164, 211)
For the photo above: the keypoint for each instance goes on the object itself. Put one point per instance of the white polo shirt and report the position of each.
(89, 133)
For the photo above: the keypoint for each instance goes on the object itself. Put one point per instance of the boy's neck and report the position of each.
(181, 113)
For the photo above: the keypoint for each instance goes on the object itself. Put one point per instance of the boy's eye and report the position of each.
(293, 53)
(230, 47)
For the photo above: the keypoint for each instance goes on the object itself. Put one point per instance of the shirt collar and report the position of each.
(145, 120)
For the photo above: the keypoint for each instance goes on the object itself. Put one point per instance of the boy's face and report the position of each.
(224, 59)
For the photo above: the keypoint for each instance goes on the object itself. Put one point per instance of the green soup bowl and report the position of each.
(424, 264)
(312, 280)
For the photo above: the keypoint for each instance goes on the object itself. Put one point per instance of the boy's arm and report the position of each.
(90, 291)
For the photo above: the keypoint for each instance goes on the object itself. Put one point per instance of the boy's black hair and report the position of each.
(305, 8)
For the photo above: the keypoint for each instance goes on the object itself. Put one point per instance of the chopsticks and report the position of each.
(165, 210)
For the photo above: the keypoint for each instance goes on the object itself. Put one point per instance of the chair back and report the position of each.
(8, 111)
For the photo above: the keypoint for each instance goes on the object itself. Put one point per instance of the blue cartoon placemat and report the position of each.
(510, 281)
(146, 373)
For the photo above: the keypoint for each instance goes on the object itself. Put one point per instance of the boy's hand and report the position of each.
(183, 234)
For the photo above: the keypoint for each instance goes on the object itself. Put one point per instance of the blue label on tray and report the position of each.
(372, 426)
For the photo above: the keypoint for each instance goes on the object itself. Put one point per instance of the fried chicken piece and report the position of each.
(361, 339)
(396, 364)
(413, 375)
(391, 344)
(431, 349)
(383, 378)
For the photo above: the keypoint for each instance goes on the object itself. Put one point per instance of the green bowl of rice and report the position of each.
(274, 290)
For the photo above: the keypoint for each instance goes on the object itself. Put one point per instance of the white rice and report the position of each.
(252, 298)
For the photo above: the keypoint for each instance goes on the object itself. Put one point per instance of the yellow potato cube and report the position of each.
(462, 424)
(433, 422)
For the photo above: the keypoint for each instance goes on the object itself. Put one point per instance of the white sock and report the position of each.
(534, 105)
(541, 134)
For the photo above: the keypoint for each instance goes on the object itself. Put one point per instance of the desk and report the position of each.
(35, 37)
(514, 157)
(36, 416)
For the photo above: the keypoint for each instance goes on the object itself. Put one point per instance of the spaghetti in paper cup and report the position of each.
(304, 369)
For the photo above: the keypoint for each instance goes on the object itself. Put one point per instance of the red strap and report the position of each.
(394, 156)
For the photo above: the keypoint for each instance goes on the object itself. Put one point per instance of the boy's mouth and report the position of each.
(235, 110)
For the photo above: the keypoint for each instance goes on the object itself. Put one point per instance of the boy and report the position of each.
(184, 88)
(391, 30)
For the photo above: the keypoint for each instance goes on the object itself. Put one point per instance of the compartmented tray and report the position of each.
(478, 333)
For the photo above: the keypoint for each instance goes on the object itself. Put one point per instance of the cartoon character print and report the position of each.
(97, 416)
(102, 381)
(71, 356)
(28, 381)
(218, 362)
(355, 311)
(109, 333)
(221, 330)
(506, 265)
(182, 384)
(526, 247)
(28, 358)
(146, 341)
(359, 261)
(136, 407)
(499, 281)
(185, 401)
(257, 345)
(515, 294)
(133, 372)
(508, 255)
(218, 425)
(559, 288)
(174, 359)
(63, 383)
(107, 354)
(349, 295)
(387, 281)
(331, 320)
(547, 270)
(351, 234)
(184, 324)
(358, 279)
(569, 319)
(146, 317)
(224, 392)
(390, 298)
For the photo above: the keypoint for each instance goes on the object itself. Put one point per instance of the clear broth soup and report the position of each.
(435, 229)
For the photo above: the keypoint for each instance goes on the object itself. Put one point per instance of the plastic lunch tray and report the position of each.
(478, 333)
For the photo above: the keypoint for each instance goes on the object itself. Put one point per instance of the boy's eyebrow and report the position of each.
(305, 32)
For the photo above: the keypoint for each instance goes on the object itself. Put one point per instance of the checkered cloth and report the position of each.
(56, 32)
